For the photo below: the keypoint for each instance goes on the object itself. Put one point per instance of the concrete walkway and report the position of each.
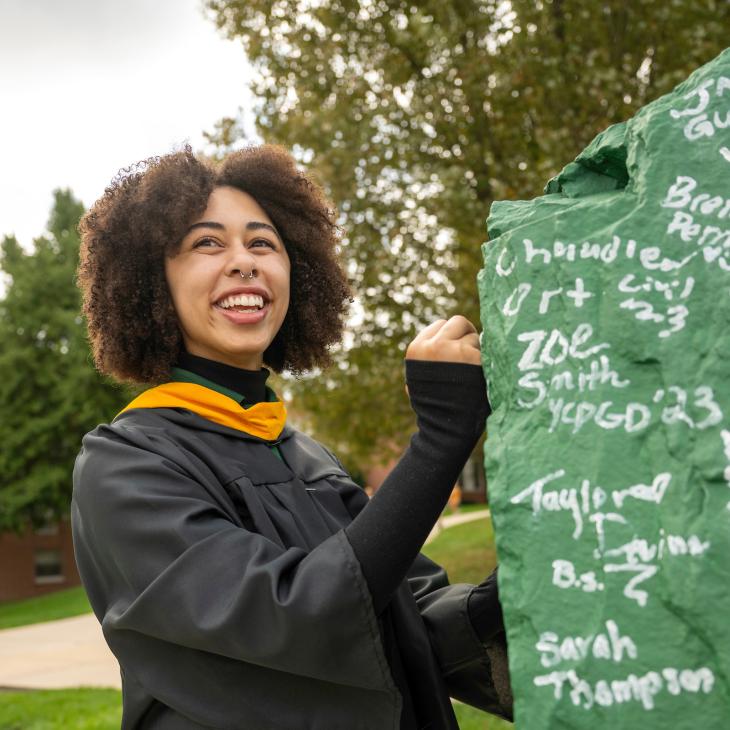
(72, 652)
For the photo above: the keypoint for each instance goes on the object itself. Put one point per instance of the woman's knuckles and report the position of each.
(452, 340)
(443, 350)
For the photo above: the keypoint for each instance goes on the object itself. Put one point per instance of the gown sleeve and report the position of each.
(194, 605)
(474, 672)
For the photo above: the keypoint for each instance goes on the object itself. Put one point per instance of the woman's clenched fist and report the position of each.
(452, 340)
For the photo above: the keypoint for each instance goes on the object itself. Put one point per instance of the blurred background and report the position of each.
(414, 116)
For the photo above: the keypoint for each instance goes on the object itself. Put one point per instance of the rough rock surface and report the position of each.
(606, 311)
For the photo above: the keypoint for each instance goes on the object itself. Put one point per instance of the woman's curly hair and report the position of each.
(142, 218)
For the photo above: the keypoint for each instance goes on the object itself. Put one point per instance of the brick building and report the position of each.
(37, 562)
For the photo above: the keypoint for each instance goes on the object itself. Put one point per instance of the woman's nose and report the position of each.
(243, 263)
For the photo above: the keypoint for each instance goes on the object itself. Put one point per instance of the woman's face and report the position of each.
(223, 316)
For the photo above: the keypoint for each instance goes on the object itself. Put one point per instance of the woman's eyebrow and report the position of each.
(250, 226)
(258, 225)
(206, 224)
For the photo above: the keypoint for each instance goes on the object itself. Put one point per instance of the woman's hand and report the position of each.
(453, 340)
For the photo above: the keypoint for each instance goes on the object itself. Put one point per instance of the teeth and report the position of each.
(242, 300)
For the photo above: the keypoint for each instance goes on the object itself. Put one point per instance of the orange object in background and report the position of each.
(455, 498)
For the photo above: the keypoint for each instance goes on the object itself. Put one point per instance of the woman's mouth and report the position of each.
(241, 303)
(243, 308)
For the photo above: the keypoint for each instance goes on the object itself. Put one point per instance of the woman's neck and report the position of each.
(251, 384)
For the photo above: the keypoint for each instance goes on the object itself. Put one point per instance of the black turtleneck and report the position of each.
(251, 384)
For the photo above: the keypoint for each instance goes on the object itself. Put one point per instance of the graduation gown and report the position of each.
(228, 591)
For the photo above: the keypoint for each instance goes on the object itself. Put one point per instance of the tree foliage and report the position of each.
(50, 394)
(416, 116)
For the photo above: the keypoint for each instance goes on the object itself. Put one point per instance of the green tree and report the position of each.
(416, 116)
(50, 394)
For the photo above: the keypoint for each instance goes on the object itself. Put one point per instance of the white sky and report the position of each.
(90, 86)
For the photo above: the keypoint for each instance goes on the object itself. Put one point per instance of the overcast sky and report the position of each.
(90, 86)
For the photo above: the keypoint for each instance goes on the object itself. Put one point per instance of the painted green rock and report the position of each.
(605, 306)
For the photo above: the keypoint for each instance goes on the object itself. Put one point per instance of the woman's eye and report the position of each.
(262, 242)
(206, 243)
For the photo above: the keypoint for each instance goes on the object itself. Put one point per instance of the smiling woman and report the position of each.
(173, 235)
(224, 317)
(242, 578)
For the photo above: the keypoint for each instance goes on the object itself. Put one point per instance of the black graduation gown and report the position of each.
(229, 593)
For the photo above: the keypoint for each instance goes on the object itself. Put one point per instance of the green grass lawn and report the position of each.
(466, 551)
(61, 604)
(101, 709)
(68, 709)
(470, 718)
